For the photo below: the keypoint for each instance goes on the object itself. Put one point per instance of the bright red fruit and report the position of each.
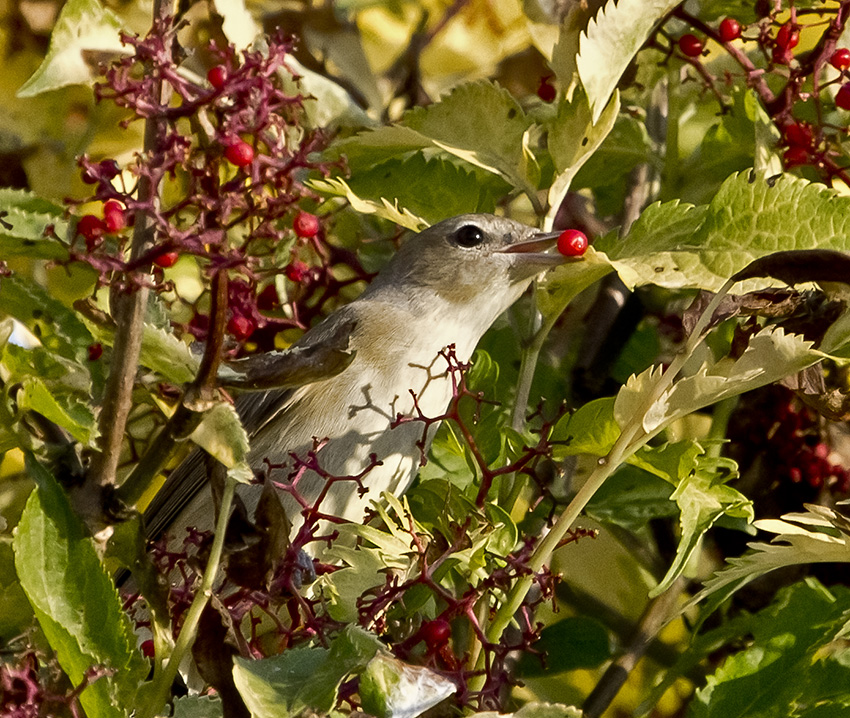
(217, 76)
(690, 45)
(795, 156)
(239, 153)
(297, 271)
(842, 97)
(95, 351)
(306, 225)
(113, 216)
(572, 243)
(545, 90)
(167, 259)
(435, 633)
(730, 29)
(799, 134)
(788, 36)
(91, 227)
(840, 59)
(240, 327)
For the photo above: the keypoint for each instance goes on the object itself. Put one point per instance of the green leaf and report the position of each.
(23, 224)
(222, 436)
(433, 189)
(792, 662)
(382, 208)
(390, 687)
(770, 356)
(816, 536)
(571, 643)
(83, 31)
(591, 429)
(536, 710)
(58, 328)
(62, 409)
(612, 39)
(631, 498)
(74, 599)
(702, 500)
(197, 707)
(478, 122)
(165, 354)
(573, 138)
(481, 123)
(303, 679)
(677, 245)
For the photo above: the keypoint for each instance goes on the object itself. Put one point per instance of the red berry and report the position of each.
(788, 36)
(91, 228)
(95, 351)
(306, 225)
(572, 243)
(297, 271)
(730, 29)
(239, 153)
(800, 134)
(113, 216)
(690, 45)
(147, 648)
(842, 97)
(795, 156)
(166, 259)
(241, 327)
(217, 76)
(840, 59)
(435, 633)
(89, 177)
(545, 90)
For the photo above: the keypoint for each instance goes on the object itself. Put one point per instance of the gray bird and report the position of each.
(445, 286)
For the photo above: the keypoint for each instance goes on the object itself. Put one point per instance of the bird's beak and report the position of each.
(535, 249)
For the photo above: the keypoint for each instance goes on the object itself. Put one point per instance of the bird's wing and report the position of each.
(322, 345)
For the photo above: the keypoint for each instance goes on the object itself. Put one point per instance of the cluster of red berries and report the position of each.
(790, 437)
(92, 228)
(692, 46)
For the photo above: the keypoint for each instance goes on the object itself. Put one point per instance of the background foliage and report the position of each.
(578, 540)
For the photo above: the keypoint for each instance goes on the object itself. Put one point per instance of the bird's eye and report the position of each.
(469, 236)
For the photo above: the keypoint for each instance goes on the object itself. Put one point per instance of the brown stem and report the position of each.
(128, 309)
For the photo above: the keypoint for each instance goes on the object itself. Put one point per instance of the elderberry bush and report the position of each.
(659, 425)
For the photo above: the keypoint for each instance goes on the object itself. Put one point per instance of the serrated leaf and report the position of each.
(612, 39)
(222, 436)
(303, 678)
(702, 500)
(383, 208)
(536, 710)
(83, 26)
(573, 138)
(433, 189)
(25, 216)
(74, 599)
(677, 245)
(62, 409)
(792, 637)
(481, 123)
(478, 122)
(800, 539)
(390, 688)
(58, 328)
(197, 707)
(165, 354)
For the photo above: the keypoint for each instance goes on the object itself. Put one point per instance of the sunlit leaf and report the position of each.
(612, 39)
(75, 601)
(83, 31)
